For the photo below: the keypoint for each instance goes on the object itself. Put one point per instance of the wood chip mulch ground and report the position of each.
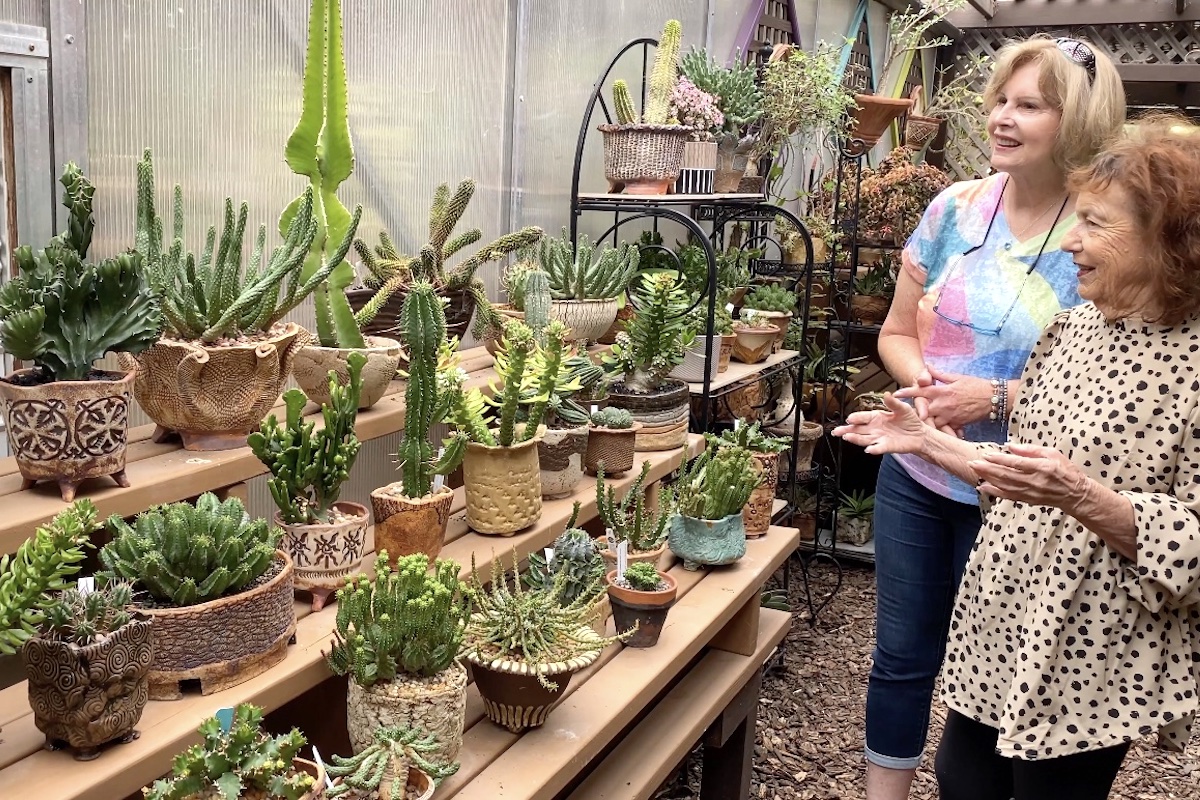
(810, 735)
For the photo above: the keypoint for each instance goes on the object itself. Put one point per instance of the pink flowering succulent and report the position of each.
(697, 109)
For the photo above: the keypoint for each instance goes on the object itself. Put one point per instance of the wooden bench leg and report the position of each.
(729, 747)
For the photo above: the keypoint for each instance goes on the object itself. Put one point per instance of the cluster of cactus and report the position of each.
(405, 622)
(631, 519)
(512, 281)
(697, 319)
(736, 87)
(771, 298)
(63, 314)
(613, 418)
(577, 555)
(212, 298)
(749, 437)
(574, 275)
(387, 758)
(83, 617)
(643, 577)
(41, 564)
(663, 77)
(308, 466)
(717, 483)
(184, 554)
(657, 337)
(241, 762)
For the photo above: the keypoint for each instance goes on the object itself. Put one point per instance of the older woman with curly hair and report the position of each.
(1076, 628)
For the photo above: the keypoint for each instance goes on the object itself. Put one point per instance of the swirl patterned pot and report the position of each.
(68, 431)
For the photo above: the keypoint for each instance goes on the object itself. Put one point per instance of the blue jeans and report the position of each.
(922, 541)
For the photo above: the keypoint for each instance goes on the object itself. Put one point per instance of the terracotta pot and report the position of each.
(213, 397)
(503, 487)
(646, 610)
(826, 399)
(325, 553)
(870, 310)
(874, 114)
(560, 458)
(779, 319)
(757, 514)
(692, 369)
(587, 319)
(312, 365)
(663, 414)
(726, 352)
(404, 526)
(643, 159)
(736, 296)
(710, 542)
(753, 344)
(810, 435)
(68, 431)
(318, 773)
(87, 696)
(732, 159)
(648, 557)
(437, 705)
(227, 641)
(613, 446)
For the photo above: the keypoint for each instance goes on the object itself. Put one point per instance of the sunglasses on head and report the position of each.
(1080, 53)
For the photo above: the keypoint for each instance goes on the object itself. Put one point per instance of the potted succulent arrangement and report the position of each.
(775, 305)
(87, 668)
(855, 518)
(226, 351)
(766, 451)
(398, 639)
(641, 598)
(326, 537)
(710, 494)
(586, 288)
(491, 319)
(740, 102)
(219, 591)
(697, 109)
(563, 447)
(577, 555)
(872, 296)
(611, 438)
(825, 380)
(754, 338)
(397, 751)
(520, 677)
(241, 761)
(67, 421)
(635, 519)
(692, 368)
(643, 153)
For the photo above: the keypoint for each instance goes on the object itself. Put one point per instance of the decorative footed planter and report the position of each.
(753, 345)
(503, 487)
(645, 610)
(325, 553)
(68, 431)
(437, 705)
(692, 369)
(87, 696)
(707, 542)
(587, 319)
(404, 527)
(560, 459)
(663, 414)
(227, 641)
(780, 320)
(312, 365)
(213, 397)
(643, 159)
(612, 446)
(757, 513)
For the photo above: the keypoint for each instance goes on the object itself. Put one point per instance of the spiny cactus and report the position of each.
(717, 483)
(657, 337)
(771, 298)
(82, 618)
(613, 418)
(537, 303)
(40, 565)
(211, 299)
(575, 554)
(184, 554)
(574, 275)
(643, 577)
(623, 104)
(387, 758)
(631, 519)
(310, 466)
(512, 281)
(242, 762)
(663, 76)
(405, 622)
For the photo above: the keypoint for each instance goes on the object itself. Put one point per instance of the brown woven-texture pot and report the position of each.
(874, 114)
(226, 641)
(560, 458)
(663, 414)
(920, 131)
(324, 553)
(87, 696)
(436, 705)
(643, 159)
(404, 526)
(459, 311)
(869, 310)
(214, 396)
(756, 514)
(503, 487)
(645, 610)
(613, 446)
(312, 365)
(68, 431)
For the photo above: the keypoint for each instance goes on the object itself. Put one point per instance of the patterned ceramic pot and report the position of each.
(324, 553)
(663, 414)
(404, 526)
(560, 459)
(87, 696)
(503, 487)
(312, 365)
(645, 610)
(757, 513)
(587, 319)
(708, 542)
(752, 345)
(726, 351)
(68, 431)
(780, 320)
(437, 705)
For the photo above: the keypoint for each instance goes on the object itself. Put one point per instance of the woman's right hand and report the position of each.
(897, 430)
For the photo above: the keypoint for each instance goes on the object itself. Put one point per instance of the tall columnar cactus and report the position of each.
(184, 554)
(717, 483)
(574, 275)
(405, 622)
(631, 519)
(664, 75)
(310, 466)
(320, 149)
(537, 303)
(80, 618)
(623, 104)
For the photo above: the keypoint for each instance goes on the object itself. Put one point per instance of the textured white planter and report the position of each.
(587, 319)
(692, 368)
(312, 364)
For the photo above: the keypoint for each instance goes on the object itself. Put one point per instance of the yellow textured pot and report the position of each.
(503, 486)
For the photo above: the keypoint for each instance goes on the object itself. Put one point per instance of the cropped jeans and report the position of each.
(922, 542)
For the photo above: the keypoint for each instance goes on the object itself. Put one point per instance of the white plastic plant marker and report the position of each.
(317, 758)
(622, 559)
(595, 408)
(439, 480)
(225, 718)
(729, 307)
(86, 585)
(549, 551)
(737, 424)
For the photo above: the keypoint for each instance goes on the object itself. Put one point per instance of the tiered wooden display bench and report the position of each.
(643, 708)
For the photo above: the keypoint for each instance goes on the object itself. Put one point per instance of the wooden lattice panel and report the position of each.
(858, 69)
(775, 24)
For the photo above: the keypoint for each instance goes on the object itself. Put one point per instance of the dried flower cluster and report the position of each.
(697, 109)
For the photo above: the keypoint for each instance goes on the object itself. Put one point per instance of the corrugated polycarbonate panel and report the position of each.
(24, 12)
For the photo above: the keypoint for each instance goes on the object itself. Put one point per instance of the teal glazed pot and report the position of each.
(707, 542)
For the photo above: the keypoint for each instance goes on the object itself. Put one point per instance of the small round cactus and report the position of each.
(617, 419)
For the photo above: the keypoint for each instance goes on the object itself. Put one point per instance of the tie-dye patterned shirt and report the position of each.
(987, 284)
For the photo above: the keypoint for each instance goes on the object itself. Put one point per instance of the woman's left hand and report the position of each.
(952, 401)
(1039, 476)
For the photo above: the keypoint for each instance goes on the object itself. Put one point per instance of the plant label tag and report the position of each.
(729, 307)
(317, 758)
(737, 424)
(549, 551)
(622, 559)
(86, 585)
(611, 538)
(225, 717)
(439, 480)
(595, 408)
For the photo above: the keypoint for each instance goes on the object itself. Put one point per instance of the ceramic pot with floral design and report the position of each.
(326, 553)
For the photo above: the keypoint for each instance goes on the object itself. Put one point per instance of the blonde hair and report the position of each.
(1092, 112)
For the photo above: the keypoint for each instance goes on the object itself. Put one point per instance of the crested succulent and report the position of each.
(717, 483)
(309, 466)
(771, 298)
(657, 337)
(184, 554)
(64, 314)
(613, 418)
(405, 622)
(576, 273)
(84, 617)
(643, 577)
(576, 555)
(631, 519)
(393, 749)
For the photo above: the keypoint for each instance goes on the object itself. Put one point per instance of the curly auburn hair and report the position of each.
(1157, 164)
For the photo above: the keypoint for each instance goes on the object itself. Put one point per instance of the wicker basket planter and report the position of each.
(692, 370)
(227, 641)
(663, 414)
(503, 487)
(646, 610)
(87, 696)
(68, 431)
(707, 542)
(325, 553)
(613, 446)
(874, 114)
(587, 319)
(643, 159)
(756, 515)
(213, 397)
(560, 459)
(312, 365)
(753, 344)
(437, 704)
(459, 310)
(404, 526)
